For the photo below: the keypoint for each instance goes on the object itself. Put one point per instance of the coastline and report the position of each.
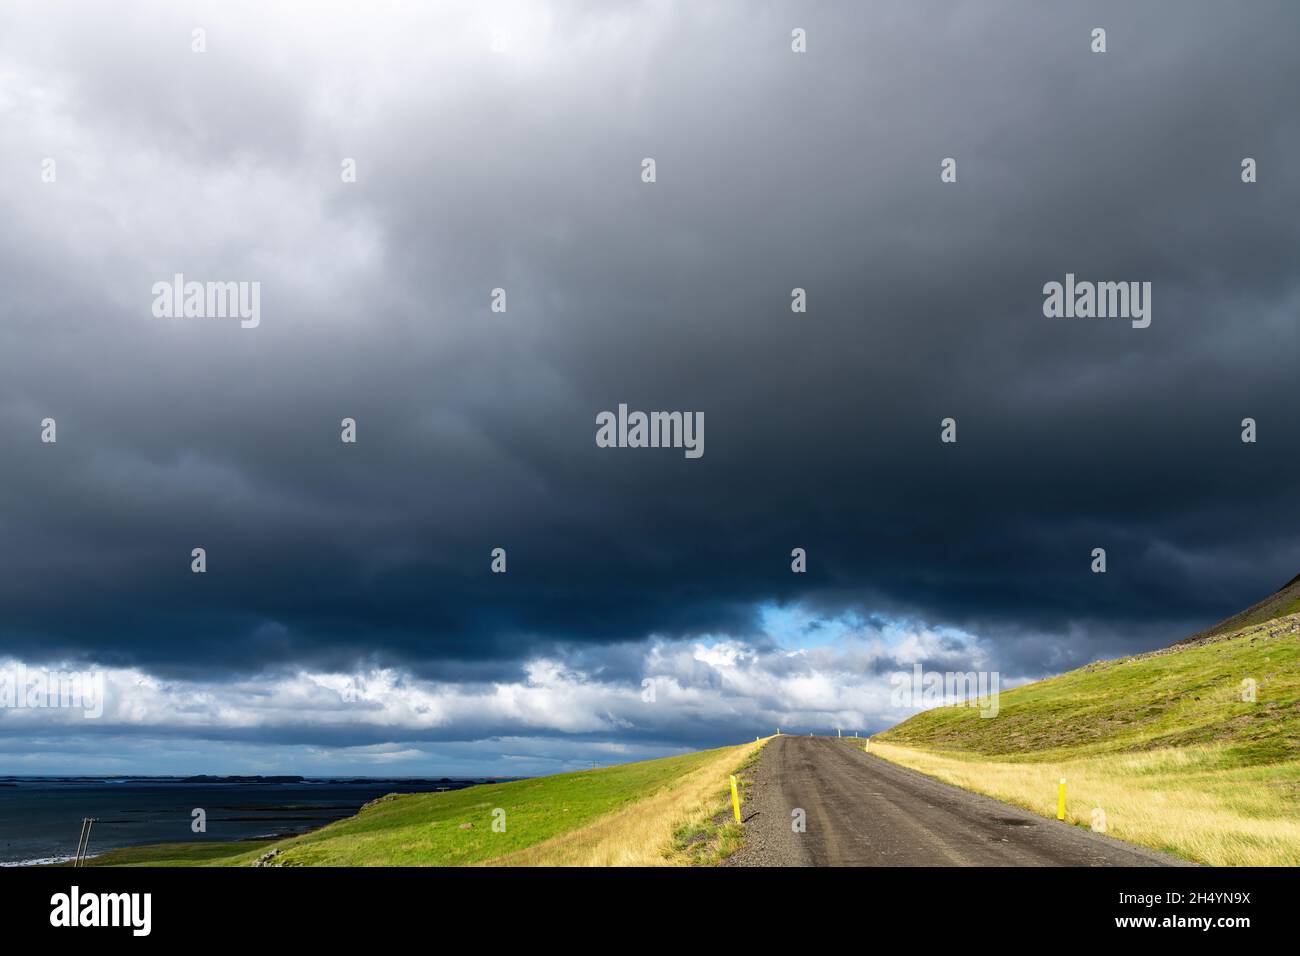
(138, 813)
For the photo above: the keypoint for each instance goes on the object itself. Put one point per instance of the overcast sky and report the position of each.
(348, 620)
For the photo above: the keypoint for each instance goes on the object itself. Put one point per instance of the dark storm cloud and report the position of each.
(477, 430)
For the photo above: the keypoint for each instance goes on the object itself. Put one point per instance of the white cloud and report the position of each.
(729, 685)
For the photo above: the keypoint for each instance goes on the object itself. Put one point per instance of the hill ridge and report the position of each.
(1281, 603)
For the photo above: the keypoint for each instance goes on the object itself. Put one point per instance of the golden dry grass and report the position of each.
(641, 834)
(1195, 802)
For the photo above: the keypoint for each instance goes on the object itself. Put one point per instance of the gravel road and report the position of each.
(864, 811)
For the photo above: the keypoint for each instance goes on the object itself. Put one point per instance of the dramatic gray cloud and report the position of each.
(519, 168)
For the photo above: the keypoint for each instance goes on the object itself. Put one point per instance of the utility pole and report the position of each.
(81, 839)
(83, 844)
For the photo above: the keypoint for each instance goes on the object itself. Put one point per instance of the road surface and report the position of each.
(864, 811)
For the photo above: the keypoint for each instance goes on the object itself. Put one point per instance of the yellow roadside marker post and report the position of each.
(1060, 800)
(735, 798)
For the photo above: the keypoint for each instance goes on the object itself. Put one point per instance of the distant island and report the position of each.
(362, 781)
(207, 778)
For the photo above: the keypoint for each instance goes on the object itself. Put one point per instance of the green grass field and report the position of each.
(1185, 696)
(175, 854)
(426, 829)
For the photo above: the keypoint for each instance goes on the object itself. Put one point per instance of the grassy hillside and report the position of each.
(623, 815)
(1167, 745)
(1285, 600)
(1185, 695)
